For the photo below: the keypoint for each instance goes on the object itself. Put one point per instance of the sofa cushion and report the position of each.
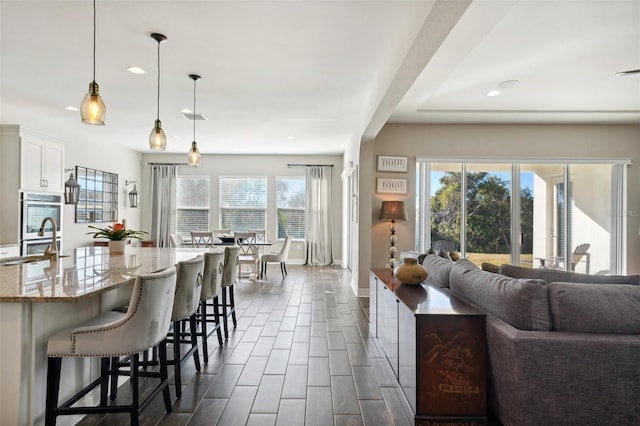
(522, 303)
(552, 275)
(438, 269)
(597, 308)
(490, 267)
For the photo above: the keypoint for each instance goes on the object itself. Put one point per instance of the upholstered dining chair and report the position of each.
(211, 286)
(280, 257)
(175, 240)
(229, 278)
(114, 334)
(248, 251)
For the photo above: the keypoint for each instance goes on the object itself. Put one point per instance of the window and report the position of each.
(290, 204)
(192, 204)
(243, 203)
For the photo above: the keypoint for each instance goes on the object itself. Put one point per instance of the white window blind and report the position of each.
(243, 203)
(192, 204)
(290, 203)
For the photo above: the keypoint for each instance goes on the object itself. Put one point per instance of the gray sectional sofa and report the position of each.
(563, 348)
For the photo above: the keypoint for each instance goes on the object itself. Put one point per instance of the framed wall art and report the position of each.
(388, 163)
(391, 186)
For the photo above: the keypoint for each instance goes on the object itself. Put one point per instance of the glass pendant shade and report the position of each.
(92, 109)
(157, 138)
(194, 155)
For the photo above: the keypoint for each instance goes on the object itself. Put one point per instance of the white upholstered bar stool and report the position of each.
(185, 305)
(211, 285)
(229, 278)
(114, 334)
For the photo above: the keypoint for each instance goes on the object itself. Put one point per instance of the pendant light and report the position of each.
(194, 154)
(157, 138)
(92, 109)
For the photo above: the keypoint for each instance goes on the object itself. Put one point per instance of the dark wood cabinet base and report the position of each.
(436, 347)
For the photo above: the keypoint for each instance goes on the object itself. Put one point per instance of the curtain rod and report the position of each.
(167, 164)
(309, 165)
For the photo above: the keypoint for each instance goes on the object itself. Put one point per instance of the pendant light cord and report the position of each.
(194, 109)
(94, 41)
(158, 107)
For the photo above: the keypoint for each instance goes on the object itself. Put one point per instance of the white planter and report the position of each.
(117, 246)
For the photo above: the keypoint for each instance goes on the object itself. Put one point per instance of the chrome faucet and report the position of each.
(52, 249)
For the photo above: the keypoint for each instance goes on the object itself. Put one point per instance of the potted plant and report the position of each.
(117, 235)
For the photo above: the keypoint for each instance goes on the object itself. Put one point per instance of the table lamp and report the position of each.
(393, 210)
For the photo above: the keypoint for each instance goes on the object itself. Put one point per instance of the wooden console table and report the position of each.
(436, 346)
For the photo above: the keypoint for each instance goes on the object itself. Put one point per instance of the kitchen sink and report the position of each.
(26, 259)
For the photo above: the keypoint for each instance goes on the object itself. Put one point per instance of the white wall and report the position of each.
(494, 141)
(121, 161)
(271, 166)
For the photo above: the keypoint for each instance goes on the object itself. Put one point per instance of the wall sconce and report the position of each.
(133, 195)
(71, 189)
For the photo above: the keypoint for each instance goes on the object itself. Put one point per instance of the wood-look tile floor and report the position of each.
(300, 355)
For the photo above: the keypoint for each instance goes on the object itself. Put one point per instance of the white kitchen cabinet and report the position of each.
(7, 251)
(29, 161)
(41, 165)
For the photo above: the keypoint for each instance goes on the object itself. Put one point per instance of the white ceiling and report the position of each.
(321, 72)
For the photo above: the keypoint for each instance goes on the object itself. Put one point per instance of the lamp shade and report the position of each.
(393, 210)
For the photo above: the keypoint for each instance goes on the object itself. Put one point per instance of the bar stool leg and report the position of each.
(176, 358)
(224, 312)
(135, 393)
(104, 374)
(194, 342)
(53, 388)
(216, 314)
(233, 306)
(203, 326)
(164, 374)
(114, 379)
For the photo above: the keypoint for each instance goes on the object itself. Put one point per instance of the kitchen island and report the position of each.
(39, 298)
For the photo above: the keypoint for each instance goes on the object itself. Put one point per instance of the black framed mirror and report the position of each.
(98, 201)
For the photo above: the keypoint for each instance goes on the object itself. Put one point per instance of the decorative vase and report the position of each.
(410, 272)
(117, 246)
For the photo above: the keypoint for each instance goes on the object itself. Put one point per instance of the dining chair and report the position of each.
(211, 286)
(202, 239)
(114, 334)
(260, 235)
(280, 257)
(229, 278)
(175, 240)
(220, 232)
(248, 251)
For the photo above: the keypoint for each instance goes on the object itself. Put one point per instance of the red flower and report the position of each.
(118, 227)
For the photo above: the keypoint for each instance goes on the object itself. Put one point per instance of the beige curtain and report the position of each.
(163, 203)
(319, 227)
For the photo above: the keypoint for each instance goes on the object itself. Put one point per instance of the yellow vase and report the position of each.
(409, 272)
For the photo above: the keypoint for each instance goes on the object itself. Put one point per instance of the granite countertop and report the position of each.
(85, 272)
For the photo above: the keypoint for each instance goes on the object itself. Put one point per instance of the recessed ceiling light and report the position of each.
(290, 138)
(186, 111)
(70, 108)
(136, 70)
(508, 84)
(175, 137)
(494, 93)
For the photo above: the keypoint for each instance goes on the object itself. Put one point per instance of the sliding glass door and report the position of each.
(553, 215)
